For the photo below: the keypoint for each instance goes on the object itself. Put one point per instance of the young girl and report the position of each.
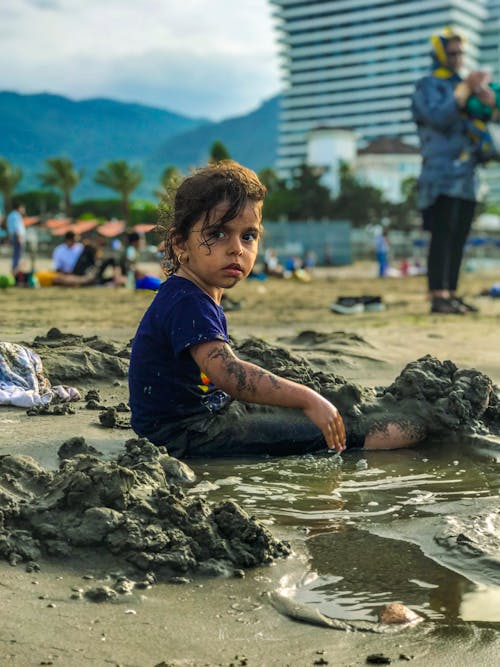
(188, 390)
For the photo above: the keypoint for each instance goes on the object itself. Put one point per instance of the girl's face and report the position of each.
(221, 256)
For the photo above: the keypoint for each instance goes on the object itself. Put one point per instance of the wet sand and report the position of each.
(223, 621)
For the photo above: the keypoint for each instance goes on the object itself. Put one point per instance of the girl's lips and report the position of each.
(233, 271)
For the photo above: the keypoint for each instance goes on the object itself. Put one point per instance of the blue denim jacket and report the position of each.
(449, 156)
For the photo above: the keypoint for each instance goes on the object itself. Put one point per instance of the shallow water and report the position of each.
(418, 526)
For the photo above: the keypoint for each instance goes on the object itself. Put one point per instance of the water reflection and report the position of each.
(418, 526)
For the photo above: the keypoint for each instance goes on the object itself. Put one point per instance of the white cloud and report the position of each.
(212, 58)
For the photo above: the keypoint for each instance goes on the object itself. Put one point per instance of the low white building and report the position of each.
(384, 163)
(328, 148)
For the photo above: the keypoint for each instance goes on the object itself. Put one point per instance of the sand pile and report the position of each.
(69, 358)
(133, 508)
(434, 398)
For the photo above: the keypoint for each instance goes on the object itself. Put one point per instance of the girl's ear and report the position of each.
(178, 244)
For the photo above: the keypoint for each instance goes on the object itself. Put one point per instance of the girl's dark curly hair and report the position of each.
(197, 195)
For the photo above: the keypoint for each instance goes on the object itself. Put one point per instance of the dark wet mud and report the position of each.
(141, 508)
(70, 358)
(134, 507)
(432, 398)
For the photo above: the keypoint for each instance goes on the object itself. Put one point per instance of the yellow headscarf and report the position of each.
(439, 42)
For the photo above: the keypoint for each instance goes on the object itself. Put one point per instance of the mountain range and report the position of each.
(95, 131)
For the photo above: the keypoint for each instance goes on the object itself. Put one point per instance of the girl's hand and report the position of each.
(327, 418)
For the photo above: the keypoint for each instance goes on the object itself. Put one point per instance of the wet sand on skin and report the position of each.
(213, 622)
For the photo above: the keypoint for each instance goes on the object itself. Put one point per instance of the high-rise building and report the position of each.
(490, 56)
(353, 63)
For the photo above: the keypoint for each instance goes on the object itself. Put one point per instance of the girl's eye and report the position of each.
(217, 234)
(250, 236)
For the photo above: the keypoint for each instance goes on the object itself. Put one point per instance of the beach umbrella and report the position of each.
(55, 223)
(79, 227)
(82, 226)
(30, 220)
(143, 228)
(112, 228)
(58, 226)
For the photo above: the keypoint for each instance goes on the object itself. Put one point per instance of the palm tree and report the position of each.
(169, 180)
(122, 178)
(10, 175)
(218, 152)
(61, 174)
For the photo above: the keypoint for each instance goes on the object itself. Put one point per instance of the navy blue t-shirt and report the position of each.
(165, 383)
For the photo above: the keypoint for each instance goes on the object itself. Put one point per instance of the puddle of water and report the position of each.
(358, 513)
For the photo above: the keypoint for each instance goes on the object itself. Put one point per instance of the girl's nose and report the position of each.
(237, 247)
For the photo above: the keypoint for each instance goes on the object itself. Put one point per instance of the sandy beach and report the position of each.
(227, 621)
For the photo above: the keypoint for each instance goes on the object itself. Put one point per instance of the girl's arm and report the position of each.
(248, 382)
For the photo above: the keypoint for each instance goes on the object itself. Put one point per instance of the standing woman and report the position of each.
(451, 153)
(16, 232)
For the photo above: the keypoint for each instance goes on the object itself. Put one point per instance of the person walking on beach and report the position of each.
(451, 152)
(382, 252)
(188, 389)
(16, 233)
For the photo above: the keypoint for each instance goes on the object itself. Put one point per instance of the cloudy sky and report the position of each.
(208, 58)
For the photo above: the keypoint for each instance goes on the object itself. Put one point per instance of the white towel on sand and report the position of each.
(22, 381)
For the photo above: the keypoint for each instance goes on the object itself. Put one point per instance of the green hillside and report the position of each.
(251, 139)
(92, 132)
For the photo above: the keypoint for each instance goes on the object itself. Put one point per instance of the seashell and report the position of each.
(395, 612)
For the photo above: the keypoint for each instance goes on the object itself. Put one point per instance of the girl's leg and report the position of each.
(256, 430)
(394, 435)
(251, 430)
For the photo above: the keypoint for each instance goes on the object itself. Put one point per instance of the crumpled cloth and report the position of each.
(22, 381)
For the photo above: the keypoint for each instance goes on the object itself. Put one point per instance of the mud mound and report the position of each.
(313, 339)
(445, 398)
(69, 358)
(429, 397)
(346, 395)
(133, 508)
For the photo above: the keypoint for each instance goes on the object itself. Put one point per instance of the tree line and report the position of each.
(303, 197)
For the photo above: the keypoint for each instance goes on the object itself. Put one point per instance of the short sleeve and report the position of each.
(196, 320)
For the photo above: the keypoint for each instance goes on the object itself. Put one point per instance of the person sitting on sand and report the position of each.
(74, 264)
(128, 272)
(129, 257)
(188, 389)
(16, 232)
(272, 266)
(65, 255)
(77, 264)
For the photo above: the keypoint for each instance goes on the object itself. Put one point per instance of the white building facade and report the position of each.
(386, 164)
(490, 56)
(353, 64)
(328, 148)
